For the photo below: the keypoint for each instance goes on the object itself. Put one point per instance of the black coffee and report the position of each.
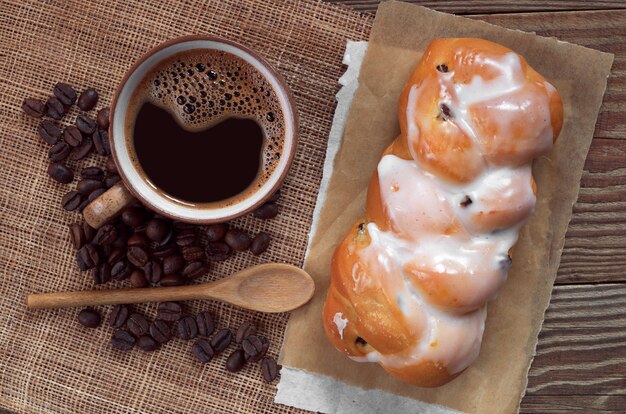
(207, 128)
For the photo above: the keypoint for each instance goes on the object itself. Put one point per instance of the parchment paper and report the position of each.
(496, 382)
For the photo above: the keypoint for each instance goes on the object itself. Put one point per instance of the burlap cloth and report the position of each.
(48, 362)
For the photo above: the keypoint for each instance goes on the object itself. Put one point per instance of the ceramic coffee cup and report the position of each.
(134, 184)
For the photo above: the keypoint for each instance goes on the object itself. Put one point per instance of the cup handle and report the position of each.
(108, 205)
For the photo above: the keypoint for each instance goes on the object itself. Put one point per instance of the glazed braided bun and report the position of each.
(410, 282)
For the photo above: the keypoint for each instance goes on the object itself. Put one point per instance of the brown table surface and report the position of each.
(581, 357)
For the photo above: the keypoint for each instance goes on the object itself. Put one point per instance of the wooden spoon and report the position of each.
(271, 287)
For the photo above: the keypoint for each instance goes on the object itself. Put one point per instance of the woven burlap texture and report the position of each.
(48, 362)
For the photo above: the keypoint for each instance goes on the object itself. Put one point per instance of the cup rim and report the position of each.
(279, 80)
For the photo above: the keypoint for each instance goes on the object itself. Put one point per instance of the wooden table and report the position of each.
(581, 357)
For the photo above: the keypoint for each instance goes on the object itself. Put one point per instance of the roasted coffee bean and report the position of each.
(147, 343)
(172, 280)
(181, 225)
(260, 243)
(71, 200)
(164, 251)
(138, 279)
(202, 350)
(89, 318)
(87, 257)
(137, 255)
(269, 369)
(123, 233)
(173, 264)
(274, 198)
(106, 251)
(137, 324)
(54, 108)
(92, 173)
(187, 328)
(106, 235)
(169, 311)
(72, 136)
(103, 118)
(60, 173)
(110, 166)
(235, 361)
(193, 253)
(118, 316)
(65, 93)
(245, 330)
(138, 240)
(87, 185)
(216, 232)
(238, 239)
(85, 124)
(101, 142)
(116, 255)
(111, 180)
(83, 204)
(120, 270)
(34, 107)
(49, 132)
(255, 347)
(133, 217)
(122, 341)
(101, 274)
(160, 331)
(217, 251)
(266, 211)
(59, 151)
(95, 194)
(185, 237)
(82, 150)
(90, 232)
(205, 322)
(157, 230)
(194, 270)
(221, 340)
(152, 271)
(77, 235)
(88, 99)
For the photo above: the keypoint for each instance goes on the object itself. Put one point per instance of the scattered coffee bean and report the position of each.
(49, 132)
(137, 255)
(173, 264)
(202, 350)
(87, 257)
(60, 173)
(193, 253)
(82, 150)
(116, 255)
(103, 118)
(133, 217)
(185, 237)
(120, 270)
(71, 201)
(187, 328)
(216, 232)
(260, 243)
(122, 341)
(88, 99)
(112, 180)
(195, 270)
(138, 279)
(221, 340)
(217, 251)
(205, 322)
(160, 331)
(65, 93)
(255, 347)
(181, 225)
(269, 369)
(245, 330)
(89, 318)
(172, 280)
(274, 198)
(77, 235)
(106, 235)
(95, 194)
(54, 108)
(101, 142)
(238, 239)
(83, 204)
(110, 166)
(87, 185)
(101, 274)
(85, 124)
(266, 211)
(157, 230)
(72, 136)
(137, 324)
(138, 240)
(147, 343)
(118, 316)
(162, 252)
(152, 271)
(59, 151)
(89, 231)
(92, 173)
(169, 311)
(34, 107)
(235, 361)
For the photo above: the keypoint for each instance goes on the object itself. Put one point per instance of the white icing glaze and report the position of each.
(340, 323)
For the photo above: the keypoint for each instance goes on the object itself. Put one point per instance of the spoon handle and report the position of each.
(114, 297)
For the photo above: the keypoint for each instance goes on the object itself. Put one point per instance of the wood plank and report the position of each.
(499, 6)
(559, 404)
